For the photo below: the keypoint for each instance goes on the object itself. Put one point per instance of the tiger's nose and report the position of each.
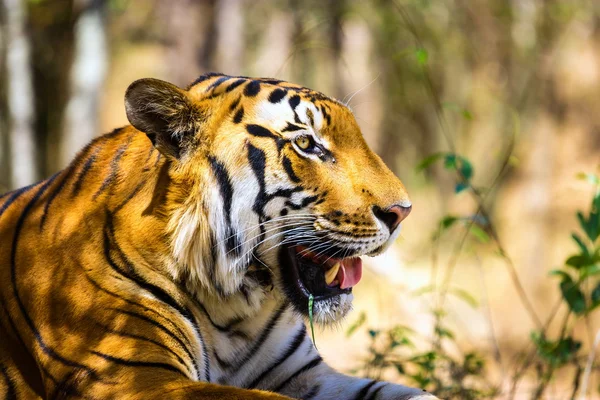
(393, 215)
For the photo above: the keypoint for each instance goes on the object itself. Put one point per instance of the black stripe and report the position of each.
(11, 392)
(13, 276)
(151, 321)
(156, 291)
(257, 160)
(294, 101)
(226, 188)
(111, 262)
(129, 197)
(239, 115)
(144, 339)
(363, 392)
(373, 394)
(271, 81)
(234, 85)
(158, 326)
(304, 203)
(203, 78)
(311, 116)
(20, 339)
(84, 171)
(313, 392)
(326, 115)
(57, 189)
(210, 261)
(133, 363)
(217, 83)
(292, 128)
(277, 95)
(114, 168)
(252, 88)
(266, 331)
(149, 156)
(115, 267)
(225, 329)
(14, 196)
(311, 364)
(287, 166)
(296, 343)
(235, 103)
(260, 131)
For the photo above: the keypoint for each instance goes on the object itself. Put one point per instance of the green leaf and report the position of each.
(310, 318)
(422, 56)
(556, 352)
(427, 161)
(465, 296)
(467, 115)
(362, 318)
(473, 363)
(480, 234)
(596, 295)
(561, 273)
(450, 161)
(580, 243)
(443, 332)
(400, 368)
(448, 221)
(578, 261)
(584, 224)
(594, 219)
(460, 187)
(465, 169)
(595, 298)
(591, 178)
(573, 296)
(589, 270)
(566, 350)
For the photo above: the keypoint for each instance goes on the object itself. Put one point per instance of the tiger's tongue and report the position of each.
(350, 272)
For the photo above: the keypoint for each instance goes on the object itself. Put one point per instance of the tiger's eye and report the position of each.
(303, 142)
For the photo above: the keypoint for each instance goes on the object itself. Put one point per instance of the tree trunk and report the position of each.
(52, 27)
(4, 150)
(190, 35)
(23, 161)
(335, 10)
(86, 80)
(230, 37)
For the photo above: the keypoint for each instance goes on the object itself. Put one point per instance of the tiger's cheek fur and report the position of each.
(210, 236)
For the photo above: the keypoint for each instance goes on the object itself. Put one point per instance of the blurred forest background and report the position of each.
(487, 109)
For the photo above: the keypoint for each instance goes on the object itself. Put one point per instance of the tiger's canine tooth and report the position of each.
(332, 273)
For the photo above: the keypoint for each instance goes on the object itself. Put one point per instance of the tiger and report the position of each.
(176, 257)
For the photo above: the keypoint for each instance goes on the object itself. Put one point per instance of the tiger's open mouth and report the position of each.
(323, 276)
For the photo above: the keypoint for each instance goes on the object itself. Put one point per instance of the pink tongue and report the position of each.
(350, 272)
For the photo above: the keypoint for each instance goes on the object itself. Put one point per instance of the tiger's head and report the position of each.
(273, 190)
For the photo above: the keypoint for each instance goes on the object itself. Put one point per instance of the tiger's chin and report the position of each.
(328, 279)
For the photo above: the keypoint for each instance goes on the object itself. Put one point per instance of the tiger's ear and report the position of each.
(165, 113)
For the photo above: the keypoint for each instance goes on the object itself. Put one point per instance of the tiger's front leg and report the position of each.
(324, 383)
(301, 373)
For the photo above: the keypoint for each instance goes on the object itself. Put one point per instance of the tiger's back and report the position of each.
(59, 285)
